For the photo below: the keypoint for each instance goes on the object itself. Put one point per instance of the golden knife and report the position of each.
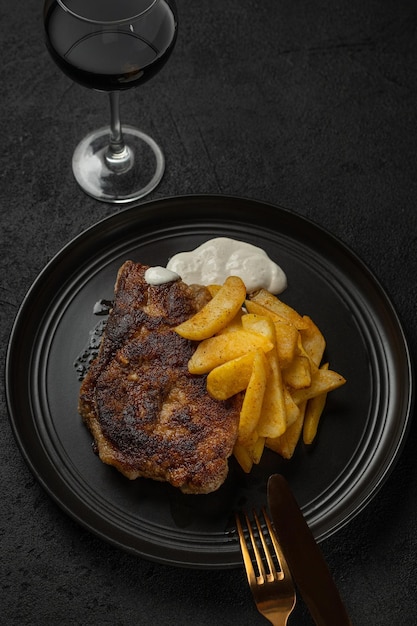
(304, 557)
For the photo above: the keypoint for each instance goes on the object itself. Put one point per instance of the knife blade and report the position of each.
(304, 557)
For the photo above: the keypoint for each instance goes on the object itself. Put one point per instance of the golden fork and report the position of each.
(271, 582)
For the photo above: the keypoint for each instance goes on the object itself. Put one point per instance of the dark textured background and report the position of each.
(308, 104)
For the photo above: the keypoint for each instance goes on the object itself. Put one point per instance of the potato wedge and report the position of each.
(213, 289)
(273, 419)
(225, 380)
(273, 415)
(322, 381)
(243, 457)
(287, 341)
(298, 374)
(234, 324)
(314, 409)
(252, 306)
(247, 456)
(260, 324)
(286, 333)
(257, 449)
(252, 402)
(274, 304)
(217, 313)
(273, 412)
(285, 444)
(292, 411)
(313, 341)
(224, 347)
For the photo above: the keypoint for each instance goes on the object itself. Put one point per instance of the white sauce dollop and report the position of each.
(158, 275)
(216, 259)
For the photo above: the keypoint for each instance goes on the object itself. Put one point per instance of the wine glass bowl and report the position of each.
(112, 46)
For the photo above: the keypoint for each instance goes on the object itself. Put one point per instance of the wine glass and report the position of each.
(113, 45)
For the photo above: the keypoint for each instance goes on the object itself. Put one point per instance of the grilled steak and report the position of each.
(148, 415)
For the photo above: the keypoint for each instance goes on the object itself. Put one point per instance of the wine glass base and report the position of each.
(113, 184)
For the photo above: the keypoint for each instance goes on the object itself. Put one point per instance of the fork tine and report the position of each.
(250, 572)
(272, 573)
(285, 570)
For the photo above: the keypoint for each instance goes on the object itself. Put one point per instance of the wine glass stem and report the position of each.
(118, 157)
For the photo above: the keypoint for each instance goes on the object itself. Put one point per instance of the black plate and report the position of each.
(362, 429)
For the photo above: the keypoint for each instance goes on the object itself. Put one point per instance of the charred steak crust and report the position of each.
(148, 415)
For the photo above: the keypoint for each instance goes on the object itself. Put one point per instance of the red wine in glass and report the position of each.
(113, 45)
